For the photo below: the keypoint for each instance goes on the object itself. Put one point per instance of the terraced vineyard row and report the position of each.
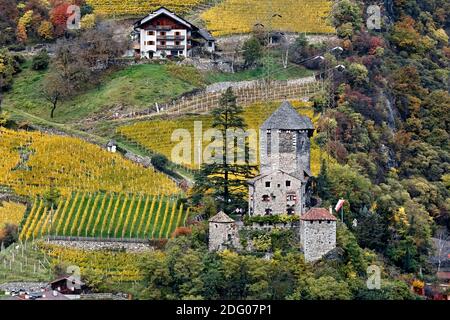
(140, 7)
(11, 212)
(111, 265)
(156, 135)
(241, 16)
(31, 162)
(106, 215)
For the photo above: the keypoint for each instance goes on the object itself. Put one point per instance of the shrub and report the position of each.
(181, 231)
(41, 61)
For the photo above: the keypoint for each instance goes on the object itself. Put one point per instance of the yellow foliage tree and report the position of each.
(22, 25)
(45, 30)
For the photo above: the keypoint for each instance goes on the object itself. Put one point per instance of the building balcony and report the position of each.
(170, 38)
(170, 47)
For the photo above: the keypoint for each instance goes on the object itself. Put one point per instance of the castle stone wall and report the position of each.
(317, 238)
(277, 194)
(223, 236)
(285, 150)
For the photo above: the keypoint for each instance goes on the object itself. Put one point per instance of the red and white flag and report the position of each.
(339, 205)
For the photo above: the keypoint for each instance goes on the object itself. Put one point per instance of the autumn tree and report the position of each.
(8, 21)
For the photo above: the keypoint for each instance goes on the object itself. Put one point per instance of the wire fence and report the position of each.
(203, 101)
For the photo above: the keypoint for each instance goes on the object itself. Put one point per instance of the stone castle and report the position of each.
(284, 149)
(282, 186)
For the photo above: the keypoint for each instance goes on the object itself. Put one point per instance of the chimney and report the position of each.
(331, 210)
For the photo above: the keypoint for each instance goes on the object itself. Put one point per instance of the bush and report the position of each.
(41, 61)
(9, 234)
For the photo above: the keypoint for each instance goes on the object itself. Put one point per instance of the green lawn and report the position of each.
(134, 88)
(276, 70)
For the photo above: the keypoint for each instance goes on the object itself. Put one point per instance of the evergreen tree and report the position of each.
(323, 182)
(224, 178)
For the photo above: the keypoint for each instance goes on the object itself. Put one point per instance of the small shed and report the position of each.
(210, 41)
(111, 146)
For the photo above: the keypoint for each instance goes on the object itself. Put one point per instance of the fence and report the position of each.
(201, 101)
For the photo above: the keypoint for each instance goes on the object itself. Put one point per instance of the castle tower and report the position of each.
(223, 233)
(317, 233)
(284, 164)
(284, 141)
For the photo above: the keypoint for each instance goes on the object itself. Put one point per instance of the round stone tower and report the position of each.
(223, 233)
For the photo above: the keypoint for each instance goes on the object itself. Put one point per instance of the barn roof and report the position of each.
(286, 117)
(221, 217)
(318, 214)
(206, 35)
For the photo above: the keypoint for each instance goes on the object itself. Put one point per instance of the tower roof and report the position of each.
(221, 217)
(286, 117)
(318, 214)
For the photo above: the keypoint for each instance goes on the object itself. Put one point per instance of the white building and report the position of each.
(163, 34)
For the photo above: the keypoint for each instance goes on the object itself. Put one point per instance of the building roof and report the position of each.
(318, 214)
(160, 11)
(221, 217)
(70, 278)
(206, 35)
(111, 143)
(286, 117)
(42, 295)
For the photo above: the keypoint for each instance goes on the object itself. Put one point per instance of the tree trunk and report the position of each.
(52, 113)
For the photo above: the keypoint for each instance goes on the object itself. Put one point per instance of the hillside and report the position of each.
(31, 162)
(143, 133)
(367, 223)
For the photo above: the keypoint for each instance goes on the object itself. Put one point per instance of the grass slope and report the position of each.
(135, 87)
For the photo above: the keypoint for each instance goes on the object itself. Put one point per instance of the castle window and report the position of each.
(288, 183)
(150, 33)
(268, 211)
(267, 184)
(215, 225)
(265, 198)
(329, 221)
(279, 185)
(291, 197)
(229, 237)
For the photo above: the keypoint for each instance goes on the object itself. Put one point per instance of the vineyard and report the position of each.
(144, 133)
(24, 262)
(11, 212)
(140, 7)
(32, 161)
(106, 215)
(111, 265)
(241, 16)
